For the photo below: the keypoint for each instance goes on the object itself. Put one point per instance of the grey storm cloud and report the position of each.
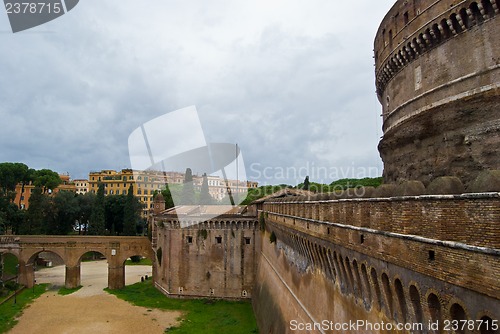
(291, 82)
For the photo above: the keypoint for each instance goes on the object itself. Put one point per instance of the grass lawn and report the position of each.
(10, 311)
(143, 262)
(201, 316)
(9, 264)
(63, 291)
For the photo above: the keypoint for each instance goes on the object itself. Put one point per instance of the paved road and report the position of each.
(90, 309)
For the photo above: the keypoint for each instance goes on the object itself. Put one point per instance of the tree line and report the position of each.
(63, 212)
(334, 187)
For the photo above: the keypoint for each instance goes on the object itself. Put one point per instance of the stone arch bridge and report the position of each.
(71, 250)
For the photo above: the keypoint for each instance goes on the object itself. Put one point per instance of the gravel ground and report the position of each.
(90, 309)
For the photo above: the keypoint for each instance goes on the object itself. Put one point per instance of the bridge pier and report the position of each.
(116, 277)
(26, 274)
(72, 279)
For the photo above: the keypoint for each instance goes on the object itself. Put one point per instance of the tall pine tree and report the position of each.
(305, 186)
(97, 223)
(130, 213)
(187, 197)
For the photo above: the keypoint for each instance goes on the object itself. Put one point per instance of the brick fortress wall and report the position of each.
(214, 259)
(397, 260)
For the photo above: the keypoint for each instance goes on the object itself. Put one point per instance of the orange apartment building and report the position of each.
(147, 182)
(23, 194)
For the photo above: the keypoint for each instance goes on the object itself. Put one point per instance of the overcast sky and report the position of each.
(292, 82)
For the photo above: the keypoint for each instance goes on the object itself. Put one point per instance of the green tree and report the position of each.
(64, 213)
(305, 185)
(36, 215)
(97, 223)
(12, 173)
(205, 198)
(187, 197)
(114, 213)
(46, 179)
(130, 213)
(85, 204)
(167, 195)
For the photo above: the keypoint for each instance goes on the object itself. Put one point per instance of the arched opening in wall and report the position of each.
(417, 304)
(434, 306)
(376, 287)
(445, 29)
(455, 23)
(429, 37)
(388, 294)
(331, 264)
(344, 284)
(487, 326)
(350, 276)
(465, 18)
(437, 33)
(457, 312)
(476, 12)
(138, 269)
(488, 8)
(366, 282)
(421, 42)
(93, 271)
(9, 268)
(410, 51)
(398, 286)
(48, 268)
(358, 279)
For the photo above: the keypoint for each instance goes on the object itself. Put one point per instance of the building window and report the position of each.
(432, 255)
(406, 17)
(139, 192)
(218, 240)
(189, 239)
(247, 241)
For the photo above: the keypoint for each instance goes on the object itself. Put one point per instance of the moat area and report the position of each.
(90, 309)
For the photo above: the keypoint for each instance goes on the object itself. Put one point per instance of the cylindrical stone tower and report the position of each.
(438, 80)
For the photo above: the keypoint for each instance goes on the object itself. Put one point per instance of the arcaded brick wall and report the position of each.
(470, 218)
(412, 259)
(462, 231)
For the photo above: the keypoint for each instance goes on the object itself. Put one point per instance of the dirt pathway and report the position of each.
(90, 309)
